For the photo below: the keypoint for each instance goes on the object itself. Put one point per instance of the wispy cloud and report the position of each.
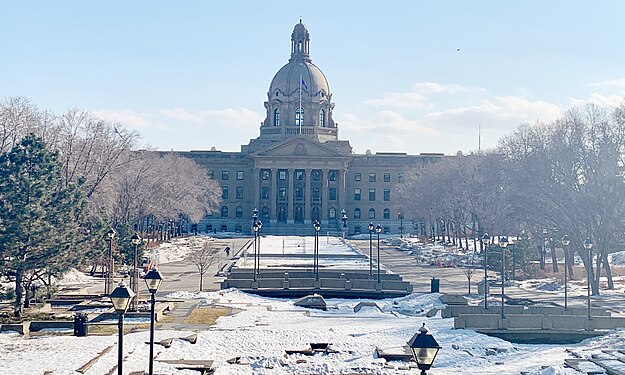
(620, 82)
(423, 95)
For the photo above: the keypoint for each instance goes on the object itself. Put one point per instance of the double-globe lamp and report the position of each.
(153, 281)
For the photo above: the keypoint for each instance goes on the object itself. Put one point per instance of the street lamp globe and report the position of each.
(260, 224)
(588, 244)
(486, 239)
(136, 239)
(153, 280)
(110, 234)
(255, 227)
(371, 227)
(565, 240)
(317, 226)
(424, 349)
(503, 241)
(120, 297)
(378, 229)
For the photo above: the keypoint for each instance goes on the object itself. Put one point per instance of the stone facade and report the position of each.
(298, 171)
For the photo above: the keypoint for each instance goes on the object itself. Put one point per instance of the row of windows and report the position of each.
(225, 175)
(333, 174)
(358, 194)
(299, 117)
(238, 229)
(371, 214)
(299, 193)
(225, 192)
(373, 177)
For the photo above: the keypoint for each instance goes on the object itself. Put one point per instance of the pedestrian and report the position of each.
(227, 251)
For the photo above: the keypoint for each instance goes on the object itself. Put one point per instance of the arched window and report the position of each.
(387, 214)
(299, 117)
(356, 213)
(276, 117)
(322, 118)
(224, 211)
(332, 213)
(372, 213)
(239, 212)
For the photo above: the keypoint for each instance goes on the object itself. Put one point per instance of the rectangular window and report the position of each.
(357, 229)
(357, 213)
(282, 174)
(371, 177)
(282, 193)
(264, 192)
(315, 194)
(316, 175)
(357, 194)
(224, 175)
(211, 174)
(239, 175)
(332, 194)
(357, 177)
(386, 215)
(299, 174)
(387, 195)
(265, 174)
(239, 192)
(224, 192)
(333, 175)
(299, 193)
(387, 177)
(400, 177)
(371, 195)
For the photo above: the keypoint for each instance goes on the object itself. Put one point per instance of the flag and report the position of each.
(304, 84)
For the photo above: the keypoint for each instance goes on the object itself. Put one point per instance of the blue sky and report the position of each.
(195, 74)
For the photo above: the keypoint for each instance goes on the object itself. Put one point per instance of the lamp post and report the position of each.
(153, 281)
(344, 219)
(108, 281)
(371, 229)
(259, 224)
(486, 242)
(588, 246)
(401, 224)
(120, 297)
(565, 243)
(503, 243)
(317, 228)
(255, 230)
(424, 349)
(255, 215)
(136, 240)
(378, 229)
(543, 255)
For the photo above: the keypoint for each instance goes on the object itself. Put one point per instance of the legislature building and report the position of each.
(298, 170)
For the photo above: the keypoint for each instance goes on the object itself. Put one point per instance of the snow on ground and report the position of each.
(75, 277)
(263, 328)
(178, 248)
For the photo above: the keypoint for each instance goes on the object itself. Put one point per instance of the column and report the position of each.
(256, 179)
(290, 196)
(307, 197)
(273, 197)
(324, 197)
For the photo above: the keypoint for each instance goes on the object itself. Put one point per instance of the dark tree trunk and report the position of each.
(554, 258)
(608, 272)
(17, 304)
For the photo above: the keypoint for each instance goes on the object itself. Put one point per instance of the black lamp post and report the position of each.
(255, 230)
(486, 241)
(424, 349)
(317, 228)
(503, 243)
(371, 229)
(108, 281)
(344, 219)
(401, 224)
(120, 297)
(588, 246)
(259, 224)
(565, 243)
(153, 281)
(136, 240)
(255, 215)
(378, 229)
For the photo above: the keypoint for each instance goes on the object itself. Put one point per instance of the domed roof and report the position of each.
(287, 80)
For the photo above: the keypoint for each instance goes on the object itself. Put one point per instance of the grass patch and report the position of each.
(111, 329)
(206, 315)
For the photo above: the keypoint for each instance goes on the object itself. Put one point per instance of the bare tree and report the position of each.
(203, 259)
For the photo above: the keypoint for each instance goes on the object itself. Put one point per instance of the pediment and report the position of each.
(299, 147)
